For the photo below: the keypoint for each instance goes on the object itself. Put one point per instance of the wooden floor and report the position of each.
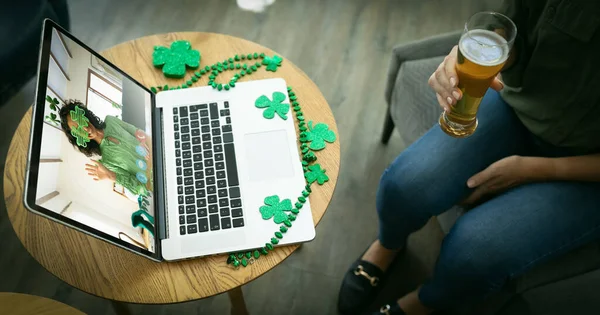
(344, 46)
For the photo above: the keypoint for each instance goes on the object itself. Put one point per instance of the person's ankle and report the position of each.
(391, 251)
(379, 255)
(411, 305)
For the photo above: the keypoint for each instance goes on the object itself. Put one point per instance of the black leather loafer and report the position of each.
(360, 286)
(390, 309)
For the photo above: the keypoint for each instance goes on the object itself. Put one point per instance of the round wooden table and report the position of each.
(25, 304)
(101, 269)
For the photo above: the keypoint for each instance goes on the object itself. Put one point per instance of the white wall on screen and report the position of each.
(47, 179)
(78, 72)
(56, 79)
(56, 204)
(51, 142)
(48, 172)
(58, 50)
(101, 221)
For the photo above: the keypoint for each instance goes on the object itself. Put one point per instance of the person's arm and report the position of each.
(517, 170)
(573, 168)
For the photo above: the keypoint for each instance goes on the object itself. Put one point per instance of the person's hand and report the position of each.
(98, 171)
(501, 175)
(444, 81)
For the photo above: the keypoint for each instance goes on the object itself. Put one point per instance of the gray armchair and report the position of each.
(567, 285)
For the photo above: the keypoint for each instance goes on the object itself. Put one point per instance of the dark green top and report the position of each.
(120, 156)
(554, 85)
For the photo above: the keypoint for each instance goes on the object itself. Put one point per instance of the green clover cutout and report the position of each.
(273, 208)
(53, 102)
(317, 135)
(272, 63)
(274, 106)
(81, 136)
(174, 60)
(315, 173)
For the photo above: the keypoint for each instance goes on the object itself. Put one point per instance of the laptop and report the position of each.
(173, 175)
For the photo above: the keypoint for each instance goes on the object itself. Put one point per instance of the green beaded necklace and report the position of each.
(312, 171)
(233, 63)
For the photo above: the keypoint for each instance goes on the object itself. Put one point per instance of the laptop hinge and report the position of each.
(159, 177)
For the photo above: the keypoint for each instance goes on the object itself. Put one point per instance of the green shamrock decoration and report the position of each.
(315, 173)
(275, 209)
(53, 118)
(53, 103)
(272, 63)
(274, 106)
(317, 135)
(175, 59)
(78, 116)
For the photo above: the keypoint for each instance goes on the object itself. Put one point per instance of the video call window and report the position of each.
(95, 160)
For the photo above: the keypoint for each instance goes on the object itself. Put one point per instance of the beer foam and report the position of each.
(484, 47)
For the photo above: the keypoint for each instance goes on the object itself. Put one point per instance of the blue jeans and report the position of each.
(499, 239)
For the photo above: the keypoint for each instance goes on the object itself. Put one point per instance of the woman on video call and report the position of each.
(123, 148)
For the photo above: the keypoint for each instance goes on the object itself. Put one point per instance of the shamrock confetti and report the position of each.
(317, 135)
(78, 116)
(315, 173)
(272, 63)
(275, 209)
(175, 59)
(274, 106)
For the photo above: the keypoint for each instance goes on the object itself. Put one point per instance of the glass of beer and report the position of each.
(482, 51)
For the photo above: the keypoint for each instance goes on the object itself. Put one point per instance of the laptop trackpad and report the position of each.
(268, 156)
(209, 241)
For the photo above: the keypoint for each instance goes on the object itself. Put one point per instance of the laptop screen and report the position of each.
(95, 163)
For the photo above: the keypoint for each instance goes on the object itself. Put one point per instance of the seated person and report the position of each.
(530, 172)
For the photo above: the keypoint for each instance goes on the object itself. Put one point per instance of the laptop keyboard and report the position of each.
(207, 179)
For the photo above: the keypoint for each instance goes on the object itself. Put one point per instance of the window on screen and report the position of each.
(104, 98)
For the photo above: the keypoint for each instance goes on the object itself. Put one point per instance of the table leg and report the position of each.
(120, 308)
(238, 305)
